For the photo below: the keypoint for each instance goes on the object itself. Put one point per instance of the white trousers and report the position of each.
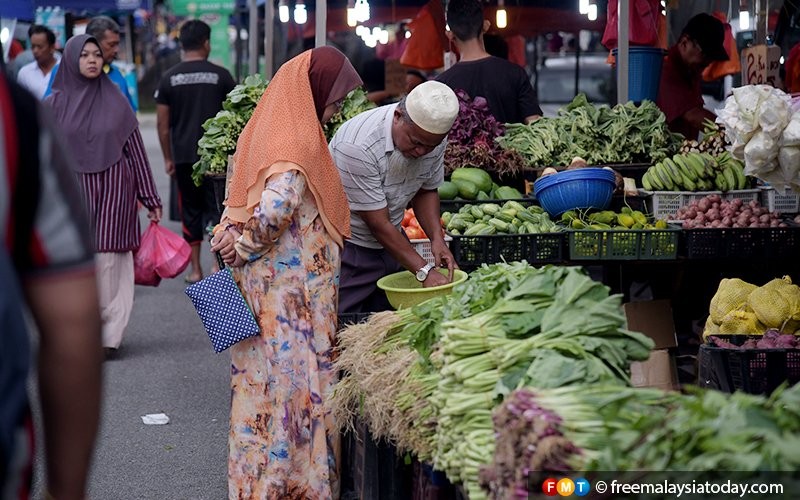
(115, 284)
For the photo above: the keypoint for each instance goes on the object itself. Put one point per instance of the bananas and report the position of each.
(696, 172)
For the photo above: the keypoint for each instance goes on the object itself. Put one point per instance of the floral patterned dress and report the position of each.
(281, 442)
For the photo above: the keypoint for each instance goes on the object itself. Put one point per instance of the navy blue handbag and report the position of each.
(225, 314)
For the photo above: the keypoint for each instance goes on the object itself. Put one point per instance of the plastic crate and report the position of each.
(785, 202)
(472, 251)
(453, 206)
(613, 244)
(755, 371)
(746, 195)
(664, 205)
(742, 243)
(423, 248)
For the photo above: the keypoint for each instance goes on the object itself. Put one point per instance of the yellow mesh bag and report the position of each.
(711, 328)
(776, 302)
(741, 322)
(731, 296)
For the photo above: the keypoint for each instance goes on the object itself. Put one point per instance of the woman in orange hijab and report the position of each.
(285, 221)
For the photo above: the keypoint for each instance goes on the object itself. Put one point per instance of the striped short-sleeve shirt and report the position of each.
(361, 150)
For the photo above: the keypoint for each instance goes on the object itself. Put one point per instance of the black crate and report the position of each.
(742, 243)
(615, 244)
(754, 371)
(453, 206)
(373, 468)
(472, 251)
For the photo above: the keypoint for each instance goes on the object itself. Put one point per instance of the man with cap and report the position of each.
(389, 158)
(680, 96)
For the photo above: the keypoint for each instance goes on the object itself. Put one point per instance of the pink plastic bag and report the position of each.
(161, 254)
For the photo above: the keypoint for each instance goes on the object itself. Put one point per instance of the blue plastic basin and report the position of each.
(575, 189)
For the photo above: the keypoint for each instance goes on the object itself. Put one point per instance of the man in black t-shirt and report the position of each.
(190, 93)
(505, 85)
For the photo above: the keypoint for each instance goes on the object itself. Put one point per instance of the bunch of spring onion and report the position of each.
(554, 328)
(596, 428)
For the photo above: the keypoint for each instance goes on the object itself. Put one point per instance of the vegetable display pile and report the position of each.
(713, 211)
(508, 326)
(222, 131)
(764, 132)
(472, 183)
(491, 218)
(696, 172)
(608, 219)
(599, 428)
(471, 141)
(739, 307)
(625, 133)
(355, 103)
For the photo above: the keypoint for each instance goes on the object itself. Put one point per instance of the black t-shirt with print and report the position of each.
(194, 92)
(505, 86)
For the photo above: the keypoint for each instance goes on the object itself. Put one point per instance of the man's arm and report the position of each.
(70, 370)
(426, 209)
(391, 239)
(162, 124)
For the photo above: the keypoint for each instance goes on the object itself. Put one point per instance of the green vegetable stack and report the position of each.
(607, 219)
(491, 218)
(625, 133)
(223, 130)
(471, 183)
(610, 428)
(508, 326)
(355, 103)
(696, 172)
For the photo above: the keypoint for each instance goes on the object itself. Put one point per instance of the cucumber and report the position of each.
(476, 176)
(476, 211)
(501, 226)
(513, 204)
(490, 208)
(535, 209)
(505, 216)
(448, 191)
(508, 193)
(466, 189)
(475, 228)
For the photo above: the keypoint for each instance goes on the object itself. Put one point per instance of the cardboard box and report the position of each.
(654, 319)
(658, 371)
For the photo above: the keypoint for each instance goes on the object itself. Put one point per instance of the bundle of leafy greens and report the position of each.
(429, 380)
(626, 133)
(612, 428)
(471, 141)
(223, 130)
(356, 102)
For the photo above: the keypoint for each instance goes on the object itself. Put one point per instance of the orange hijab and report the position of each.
(285, 134)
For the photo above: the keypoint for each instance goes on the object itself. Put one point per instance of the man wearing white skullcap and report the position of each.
(389, 158)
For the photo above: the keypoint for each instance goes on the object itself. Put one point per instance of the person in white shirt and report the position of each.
(34, 76)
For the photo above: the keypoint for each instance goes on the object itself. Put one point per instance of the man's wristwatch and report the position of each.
(422, 274)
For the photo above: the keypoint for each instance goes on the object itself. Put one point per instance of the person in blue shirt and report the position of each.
(106, 31)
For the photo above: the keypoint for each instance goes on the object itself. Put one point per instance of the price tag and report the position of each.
(760, 65)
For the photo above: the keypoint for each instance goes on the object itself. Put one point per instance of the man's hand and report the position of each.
(169, 167)
(435, 278)
(443, 257)
(154, 214)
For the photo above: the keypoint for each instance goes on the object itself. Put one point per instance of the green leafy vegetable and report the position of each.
(223, 130)
(355, 103)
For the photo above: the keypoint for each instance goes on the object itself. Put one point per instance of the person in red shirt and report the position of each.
(679, 95)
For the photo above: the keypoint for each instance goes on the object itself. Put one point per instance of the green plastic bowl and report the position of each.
(404, 291)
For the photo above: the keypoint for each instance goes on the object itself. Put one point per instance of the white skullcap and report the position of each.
(433, 106)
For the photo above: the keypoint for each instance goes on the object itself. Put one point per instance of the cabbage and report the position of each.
(761, 150)
(791, 134)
